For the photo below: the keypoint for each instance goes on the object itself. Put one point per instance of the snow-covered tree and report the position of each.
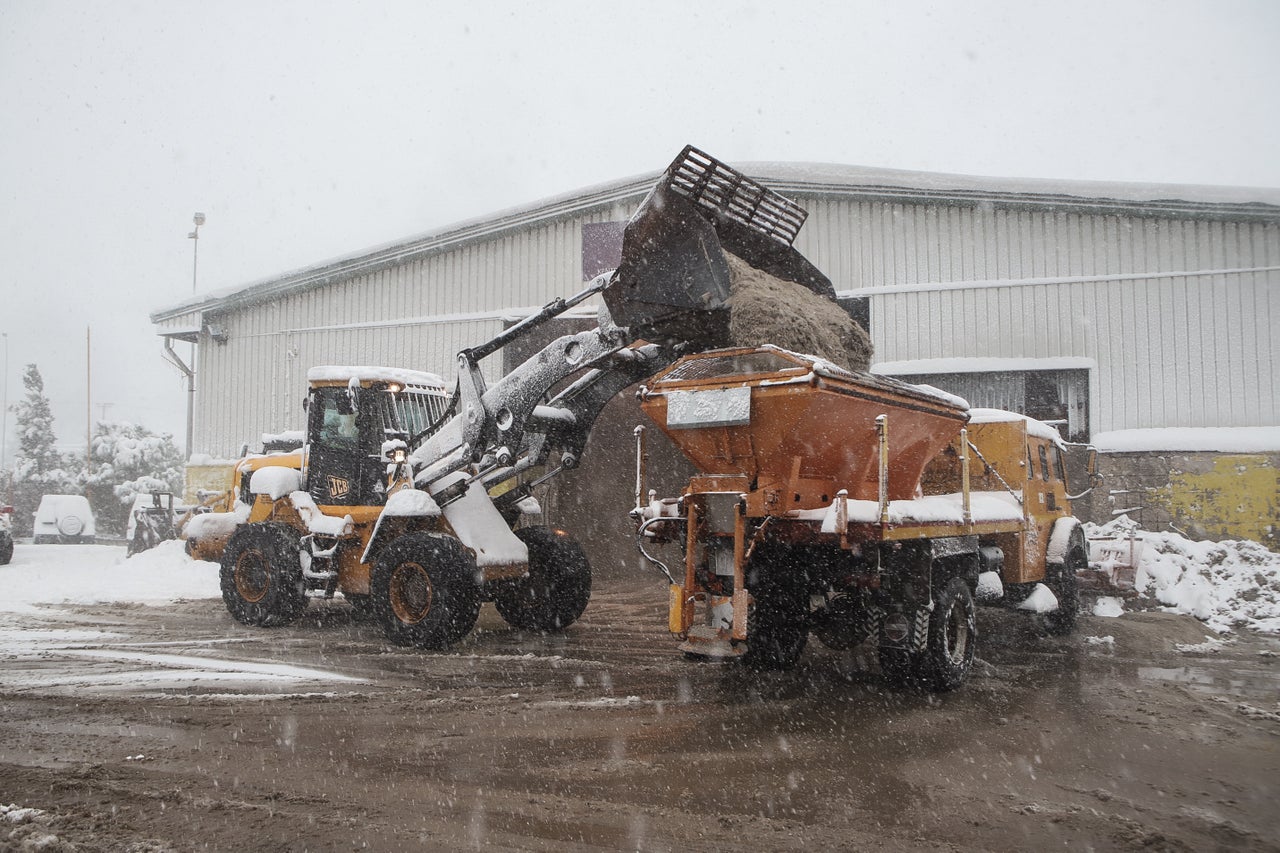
(129, 460)
(39, 469)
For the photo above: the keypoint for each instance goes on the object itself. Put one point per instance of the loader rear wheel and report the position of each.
(261, 575)
(425, 592)
(777, 620)
(953, 634)
(555, 591)
(6, 548)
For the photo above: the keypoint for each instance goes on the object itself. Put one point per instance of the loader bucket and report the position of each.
(673, 280)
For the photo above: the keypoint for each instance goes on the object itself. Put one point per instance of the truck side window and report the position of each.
(1057, 464)
(1031, 466)
(1044, 464)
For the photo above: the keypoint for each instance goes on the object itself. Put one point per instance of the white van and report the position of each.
(64, 518)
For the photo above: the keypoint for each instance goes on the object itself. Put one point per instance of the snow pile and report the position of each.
(88, 574)
(1227, 585)
(1041, 600)
(1108, 606)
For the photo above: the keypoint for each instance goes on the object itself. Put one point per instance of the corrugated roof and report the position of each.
(811, 179)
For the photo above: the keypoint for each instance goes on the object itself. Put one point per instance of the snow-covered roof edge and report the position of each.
(1039, 429)
(803, 178)
(366, 373)
(1262, 439)
(927, 366)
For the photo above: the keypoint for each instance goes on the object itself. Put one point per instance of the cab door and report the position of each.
(345, 465)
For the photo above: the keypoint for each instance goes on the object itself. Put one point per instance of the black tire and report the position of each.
(778, 618)
(1064, 583)
(6, 549)
(557, 588)
(261, 575)
(847, 621)
(953, 635)
(425, 592)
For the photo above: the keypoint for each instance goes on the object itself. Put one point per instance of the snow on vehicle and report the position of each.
(64, 519)
(208, 525)
(6, 534)
(852, 506)
(152, 520)
(414, 523)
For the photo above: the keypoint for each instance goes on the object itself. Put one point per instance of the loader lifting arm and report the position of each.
(669, 296)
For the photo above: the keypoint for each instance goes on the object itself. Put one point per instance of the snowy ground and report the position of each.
(165, 725)
(42, 652)
(1229, 585)
(91, 574)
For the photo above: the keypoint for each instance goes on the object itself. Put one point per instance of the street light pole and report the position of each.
(194, 236)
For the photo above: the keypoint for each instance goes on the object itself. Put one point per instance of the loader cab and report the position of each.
(352, 414)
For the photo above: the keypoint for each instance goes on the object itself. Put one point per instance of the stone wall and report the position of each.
(1203, 495)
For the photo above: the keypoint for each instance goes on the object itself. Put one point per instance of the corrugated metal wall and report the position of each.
(945, 280)
(419, 314)
(1195, 349)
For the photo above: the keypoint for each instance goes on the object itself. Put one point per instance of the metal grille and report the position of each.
(712, 185)
(743, 364)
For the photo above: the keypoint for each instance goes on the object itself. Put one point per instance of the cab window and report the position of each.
(1044, 464)
(337, 417)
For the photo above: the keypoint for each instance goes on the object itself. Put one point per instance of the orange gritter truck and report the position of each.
(851, 506)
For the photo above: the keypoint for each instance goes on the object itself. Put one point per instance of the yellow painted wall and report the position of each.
(211, 478)
(1231, 497)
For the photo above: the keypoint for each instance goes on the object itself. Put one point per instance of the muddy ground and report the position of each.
(605, 738)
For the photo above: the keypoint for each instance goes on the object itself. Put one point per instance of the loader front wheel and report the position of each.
(261, 575)
(555, 591)
(425, 592)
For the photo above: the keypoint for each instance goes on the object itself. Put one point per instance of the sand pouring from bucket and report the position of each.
(673, 281)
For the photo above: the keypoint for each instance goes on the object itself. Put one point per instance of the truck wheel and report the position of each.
(261, 575)
(1064, 583)
(6, 549)
(847, 621)
(953, 632)
(425, 592)
(777, 621)
(556, 590)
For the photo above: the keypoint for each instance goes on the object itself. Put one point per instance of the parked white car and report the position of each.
(64, 518)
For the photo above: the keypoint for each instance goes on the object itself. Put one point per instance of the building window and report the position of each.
(1060, 398)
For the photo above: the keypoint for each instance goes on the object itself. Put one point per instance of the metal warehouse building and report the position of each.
(1102, 307)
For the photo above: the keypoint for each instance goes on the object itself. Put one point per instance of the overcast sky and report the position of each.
(308, 130)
